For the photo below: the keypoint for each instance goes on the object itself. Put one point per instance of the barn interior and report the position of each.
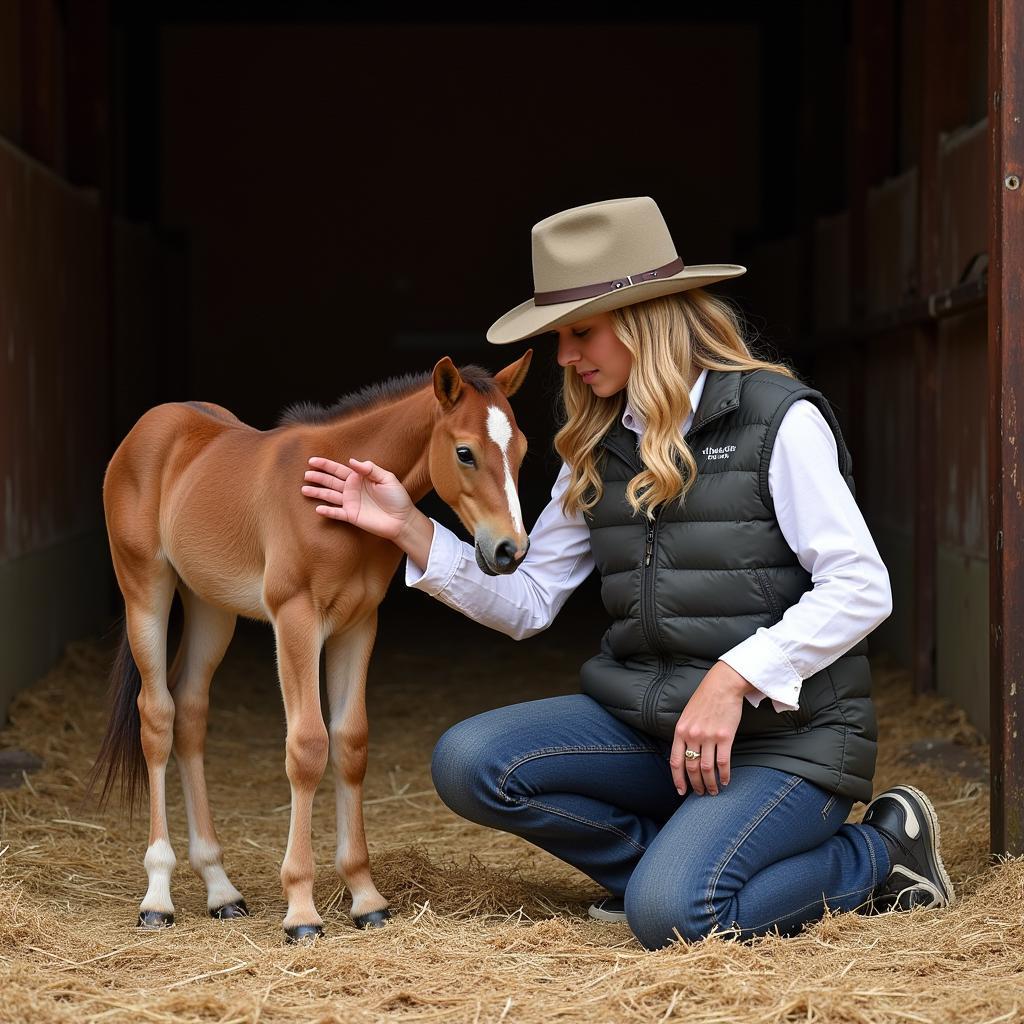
(256, 204)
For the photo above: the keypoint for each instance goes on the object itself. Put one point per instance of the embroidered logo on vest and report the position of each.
(718, 453)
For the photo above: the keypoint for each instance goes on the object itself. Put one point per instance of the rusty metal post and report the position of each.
(1006, 392)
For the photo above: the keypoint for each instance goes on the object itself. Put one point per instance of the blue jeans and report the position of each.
(769, 852)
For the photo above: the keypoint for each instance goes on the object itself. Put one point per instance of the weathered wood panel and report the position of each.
(886, 466)
(891, 272)
(962, 530)
(54, 390)
(963, 200)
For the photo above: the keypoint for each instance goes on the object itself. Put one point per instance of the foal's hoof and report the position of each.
(301, 932)
(236, 909)
(153, 919)
(374, 919)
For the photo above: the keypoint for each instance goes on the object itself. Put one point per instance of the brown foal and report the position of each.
(200, 503)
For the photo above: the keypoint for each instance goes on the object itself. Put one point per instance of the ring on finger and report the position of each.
(691, 755)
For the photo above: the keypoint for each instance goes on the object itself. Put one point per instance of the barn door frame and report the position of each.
(1006, 423)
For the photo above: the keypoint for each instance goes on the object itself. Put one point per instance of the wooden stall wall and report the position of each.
(886, 469)
(962, 564)
(54, 393)
(909, 381)
(54, 333)
(889, 398)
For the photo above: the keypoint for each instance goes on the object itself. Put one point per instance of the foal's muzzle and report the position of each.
(503, 561)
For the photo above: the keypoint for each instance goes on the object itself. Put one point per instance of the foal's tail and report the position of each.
(121, 752)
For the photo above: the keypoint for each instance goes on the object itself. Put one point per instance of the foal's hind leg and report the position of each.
(348, 655)
(148, 588)
(207, 633)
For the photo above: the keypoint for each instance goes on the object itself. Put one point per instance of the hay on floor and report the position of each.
(487, 927)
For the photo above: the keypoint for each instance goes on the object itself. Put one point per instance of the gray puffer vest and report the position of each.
(700, 578)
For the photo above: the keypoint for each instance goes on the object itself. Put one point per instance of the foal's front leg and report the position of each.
(297, 629)
(348, 655)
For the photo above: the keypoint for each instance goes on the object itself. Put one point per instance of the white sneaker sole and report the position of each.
(607, 916)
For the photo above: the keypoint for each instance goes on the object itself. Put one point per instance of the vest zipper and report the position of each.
(648, 621)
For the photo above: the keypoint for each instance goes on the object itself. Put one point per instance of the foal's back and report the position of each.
(195, 486)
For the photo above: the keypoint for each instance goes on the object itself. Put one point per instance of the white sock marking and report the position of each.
(205, 859)
(499, 430)
(159, 863)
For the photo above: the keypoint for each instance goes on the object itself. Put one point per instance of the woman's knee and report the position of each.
(663, 907)
(462, 769)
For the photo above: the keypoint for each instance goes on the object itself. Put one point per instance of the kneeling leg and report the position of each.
(769, 852)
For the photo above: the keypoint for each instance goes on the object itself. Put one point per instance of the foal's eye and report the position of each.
(465, 455)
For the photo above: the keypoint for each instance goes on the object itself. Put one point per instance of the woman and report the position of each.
(712, 491)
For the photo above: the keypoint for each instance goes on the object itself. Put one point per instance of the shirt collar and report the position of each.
(632, 420)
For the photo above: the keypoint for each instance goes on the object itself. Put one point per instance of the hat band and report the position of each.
(588, 291)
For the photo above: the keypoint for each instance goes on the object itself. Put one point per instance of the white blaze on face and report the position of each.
(499, 430)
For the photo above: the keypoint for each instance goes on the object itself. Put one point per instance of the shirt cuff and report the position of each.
(443, 561)
(760, 661)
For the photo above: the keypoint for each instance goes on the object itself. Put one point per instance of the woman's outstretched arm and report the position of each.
(440, 564)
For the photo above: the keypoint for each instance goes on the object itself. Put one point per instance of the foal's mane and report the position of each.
(373, 395)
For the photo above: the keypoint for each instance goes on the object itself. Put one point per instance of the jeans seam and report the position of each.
(824, 898)
(552, 751)
(585, 821)
(828, 806)
(777, 798)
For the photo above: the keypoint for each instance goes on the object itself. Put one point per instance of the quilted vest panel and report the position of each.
(706, 574)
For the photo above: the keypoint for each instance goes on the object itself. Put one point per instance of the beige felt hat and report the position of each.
(598, 257)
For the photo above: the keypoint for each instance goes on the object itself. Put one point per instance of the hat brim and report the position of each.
(528, 319)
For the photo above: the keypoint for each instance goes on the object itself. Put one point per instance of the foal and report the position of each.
(200, 503)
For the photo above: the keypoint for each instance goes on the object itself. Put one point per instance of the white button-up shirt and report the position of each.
(817, 515)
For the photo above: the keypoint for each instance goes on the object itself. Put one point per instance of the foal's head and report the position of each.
(475, 453)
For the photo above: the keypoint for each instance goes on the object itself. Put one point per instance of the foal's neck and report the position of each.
(395, 435)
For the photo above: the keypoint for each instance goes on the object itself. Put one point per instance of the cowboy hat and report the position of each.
(598, 257)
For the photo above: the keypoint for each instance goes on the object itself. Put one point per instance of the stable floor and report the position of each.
(487, 928)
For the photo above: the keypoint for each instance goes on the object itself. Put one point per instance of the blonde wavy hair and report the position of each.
(666, 337)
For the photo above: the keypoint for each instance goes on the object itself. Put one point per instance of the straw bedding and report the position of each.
(488, 928)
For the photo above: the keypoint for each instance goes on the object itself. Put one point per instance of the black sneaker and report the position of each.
(910, 829)
(611, 910)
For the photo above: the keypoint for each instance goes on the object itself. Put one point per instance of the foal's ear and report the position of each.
(511, 378)
(447, 383)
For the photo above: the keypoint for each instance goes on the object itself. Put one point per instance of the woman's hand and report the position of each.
(708, 724)
(360, 493)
